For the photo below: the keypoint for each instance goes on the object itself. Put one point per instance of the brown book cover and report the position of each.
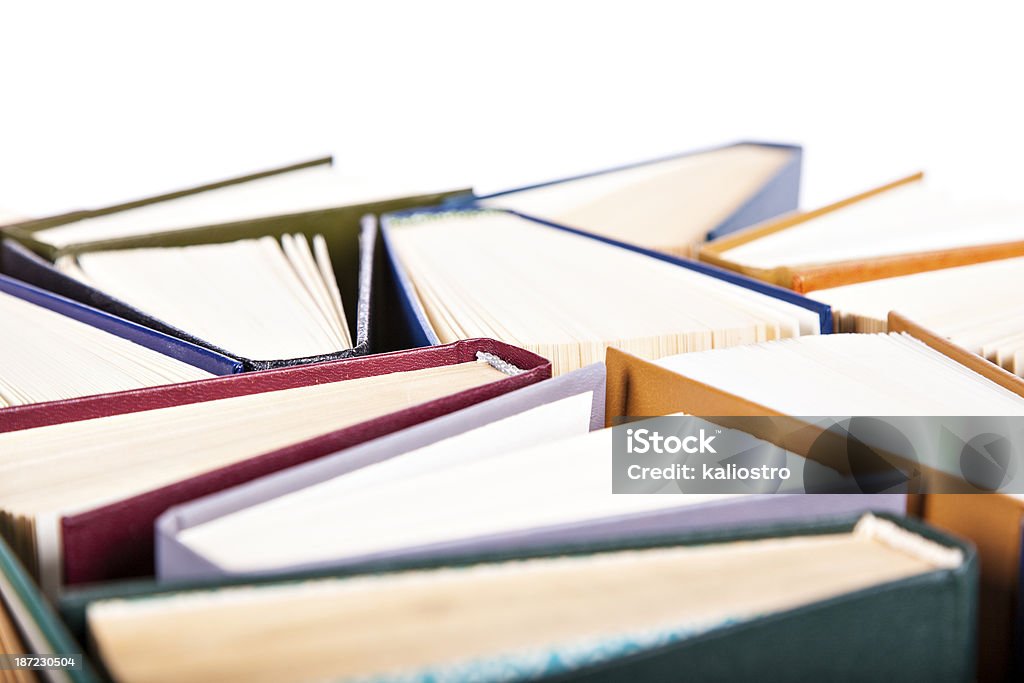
(993, 522)
(808, 277)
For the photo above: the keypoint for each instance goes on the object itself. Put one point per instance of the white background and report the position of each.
(104, 102)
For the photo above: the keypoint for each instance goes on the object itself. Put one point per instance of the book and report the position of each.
(30, 626)
(23, 227)
(83, 481)
(903, 227)
(259, 298)
(909, 371)
(636, 608)
(270, 299)
(669, 204)
(545, 412)
(567, 297)
(308, 192)
(313, 201)
(555, 488)
(63, 349)
(974, 306)
(539, 412)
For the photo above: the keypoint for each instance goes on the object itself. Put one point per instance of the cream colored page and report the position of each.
(976, 306)
(944, 293)
(253, 298)
(849, 374)
(909, 219)
(67, 466)
(391, 624)
(573, 296)
(669, 203)
(49, 356)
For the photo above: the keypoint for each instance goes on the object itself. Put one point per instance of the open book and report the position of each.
(299, 192)
(64, 488)
(554, 490)
(669, 204)
(47, 355)
(867, 375)
(978, 307)
(618, 610)
(568, 297)
(900, 228)
(257, 298)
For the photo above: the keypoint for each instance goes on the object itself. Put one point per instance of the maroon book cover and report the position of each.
(116, 540)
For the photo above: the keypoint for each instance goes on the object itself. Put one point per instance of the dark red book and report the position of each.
(98, 542)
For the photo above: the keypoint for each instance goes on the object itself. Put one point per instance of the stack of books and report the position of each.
(294, 427)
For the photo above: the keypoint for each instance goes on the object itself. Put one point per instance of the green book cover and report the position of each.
(912, 629)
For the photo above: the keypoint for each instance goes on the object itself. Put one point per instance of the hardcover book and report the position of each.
(568, 296)
(910, 371)
(977, 307)
(632, 607)
(552, 492)
(896, 229)
(547, 411)
(85, 479)
(61, 349)
(207, 266)
(671, 204)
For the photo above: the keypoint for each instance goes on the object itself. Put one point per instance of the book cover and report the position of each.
(24, 230)
(175, 561)
(778, 194)
(116, 539)
(807, 277)
(927, 619)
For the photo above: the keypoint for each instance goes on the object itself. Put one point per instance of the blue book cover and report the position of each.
(686, 198)
(421, 333)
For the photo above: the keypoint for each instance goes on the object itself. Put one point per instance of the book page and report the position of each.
(908, 219)
(568, 298)
(668, 204)
(52, 357)
(261, 299)
(449, 621)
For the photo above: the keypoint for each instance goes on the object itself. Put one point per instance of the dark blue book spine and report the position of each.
(186, 352)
